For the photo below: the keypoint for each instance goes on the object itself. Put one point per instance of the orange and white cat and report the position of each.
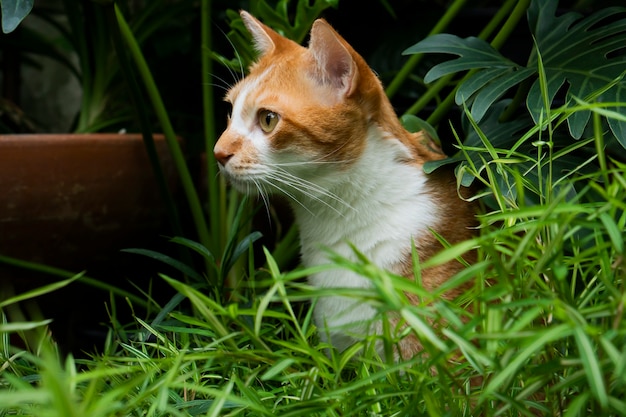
(315, 125)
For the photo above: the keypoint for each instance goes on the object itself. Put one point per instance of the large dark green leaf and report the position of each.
(472, 52)
(586, 56)
(13, 12)
(497, 74)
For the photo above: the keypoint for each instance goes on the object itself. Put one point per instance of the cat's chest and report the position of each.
(381, 225)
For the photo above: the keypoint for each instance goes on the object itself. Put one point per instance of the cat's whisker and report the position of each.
(308, 189)
(264, 196)
(237, 56)
(223, 84)
(287, 193)
(314, 188)
(242, 71)
(312, 162)
(228, 66)
(218, 86)
(334, 151)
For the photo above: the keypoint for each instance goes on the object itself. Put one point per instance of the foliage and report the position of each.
(584, 53)
(587, 54)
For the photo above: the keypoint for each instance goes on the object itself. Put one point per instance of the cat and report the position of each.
(314, 124)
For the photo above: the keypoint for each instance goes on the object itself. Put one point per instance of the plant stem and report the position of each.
(79, 41)
(444, 107)
(431, 93)
(215, 183)
(168, 131)
(600, 148)
(511, 23)
(101, 46)
(408, 67)
(144, 120)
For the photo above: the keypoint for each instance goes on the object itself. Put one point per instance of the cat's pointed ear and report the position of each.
(335, 63)
(264, 38)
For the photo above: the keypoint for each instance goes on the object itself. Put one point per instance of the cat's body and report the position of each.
(315, 125)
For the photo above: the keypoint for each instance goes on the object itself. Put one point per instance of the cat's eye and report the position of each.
(268, 120)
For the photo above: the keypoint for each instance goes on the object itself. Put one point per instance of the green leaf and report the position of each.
(415, 124)
(593, 371)
(209, 310)
(241, 248)
(584, 54)
(494, 88)
(526, 353)
(13, 12)
(22, 326)
(196, 247)
(277, 369)
(473, 53)
(614, 232)
(498, 74)
(176, 264)
(423, 330)
(37, 292)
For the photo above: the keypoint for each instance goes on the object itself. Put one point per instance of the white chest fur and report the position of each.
(389, 205)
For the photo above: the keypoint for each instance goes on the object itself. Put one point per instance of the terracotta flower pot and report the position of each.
(72, 202)
(66, 200)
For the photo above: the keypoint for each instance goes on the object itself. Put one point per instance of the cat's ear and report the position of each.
(335, 64)
(264, 38)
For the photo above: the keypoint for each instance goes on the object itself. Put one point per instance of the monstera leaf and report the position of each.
(588, 54)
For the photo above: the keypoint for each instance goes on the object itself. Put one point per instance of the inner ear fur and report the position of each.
(265, 38)
(335, 64)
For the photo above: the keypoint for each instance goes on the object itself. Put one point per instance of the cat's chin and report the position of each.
(244, 187)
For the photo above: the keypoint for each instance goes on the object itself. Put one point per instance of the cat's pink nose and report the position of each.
(222, 156)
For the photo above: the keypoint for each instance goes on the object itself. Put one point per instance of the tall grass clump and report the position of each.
(539, 331)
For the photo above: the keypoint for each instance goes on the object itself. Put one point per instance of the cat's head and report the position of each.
(302, 115)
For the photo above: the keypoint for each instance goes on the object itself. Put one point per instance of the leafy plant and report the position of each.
(586, 53)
